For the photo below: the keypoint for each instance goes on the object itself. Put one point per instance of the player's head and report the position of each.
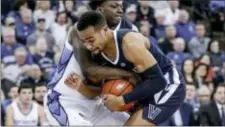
(112, 10)
(92, 31)
(25, 93)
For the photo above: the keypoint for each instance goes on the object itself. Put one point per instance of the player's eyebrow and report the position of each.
(83, 40)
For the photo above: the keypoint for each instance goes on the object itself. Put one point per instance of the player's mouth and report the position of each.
(96, 51)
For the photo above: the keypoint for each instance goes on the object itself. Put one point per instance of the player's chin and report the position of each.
(95, 52)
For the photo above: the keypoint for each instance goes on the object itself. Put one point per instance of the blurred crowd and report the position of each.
(190, 33)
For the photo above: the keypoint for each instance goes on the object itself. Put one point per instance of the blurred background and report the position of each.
(190, 32)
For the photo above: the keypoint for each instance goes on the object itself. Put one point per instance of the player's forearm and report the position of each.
(153, 82)
(100, 73)
(89, 91)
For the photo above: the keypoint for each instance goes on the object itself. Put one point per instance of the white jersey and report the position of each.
(20, 118)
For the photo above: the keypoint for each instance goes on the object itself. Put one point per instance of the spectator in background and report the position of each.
(44, 12)
(43, 57)
(205, 59)
(10, 22)
(145, 12)
(58, 29)
(217, 56)
(191, 95)
(187, 71)
(19, 6)
(24, 111)
(40, 32)
(178, 55)
(200, 76)
(34, 75)
(172, 14)
(203, 94)
(159, 5)
(160, 27)
(166, 43)
(25, 27)
(199, 43)
(39, 92)
(185, 28)
(70, 7)
(17, 71)
(145, 29)
(13, 94)
(8, 47)
(131, 13)
(213, 114)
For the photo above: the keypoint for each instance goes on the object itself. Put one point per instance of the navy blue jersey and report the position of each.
(121, 61)
(125, 24)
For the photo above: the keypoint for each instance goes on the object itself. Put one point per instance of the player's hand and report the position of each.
(113, 103)
(73, 81)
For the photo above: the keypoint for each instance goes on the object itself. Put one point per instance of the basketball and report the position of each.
(119, 87)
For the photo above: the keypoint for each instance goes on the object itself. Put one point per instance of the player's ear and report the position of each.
(105, 28)
(100, 9)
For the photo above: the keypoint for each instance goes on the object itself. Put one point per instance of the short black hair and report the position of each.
(91, 18)
(40, 84)
(25, 85)
(93, 4)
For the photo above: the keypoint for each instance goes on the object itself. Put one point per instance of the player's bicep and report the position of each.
(136, 52)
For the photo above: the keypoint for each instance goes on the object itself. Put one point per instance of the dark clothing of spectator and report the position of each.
(209, 115)
(186, 31)
(166, 45)
(6, 7)
(217, 59)
(160, 31)
(6, 85)
(23, 31)
(2, 116)
(201, 10)
(7, 54)
(179, 58)
(46, 62)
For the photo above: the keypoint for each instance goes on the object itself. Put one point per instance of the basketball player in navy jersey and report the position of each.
(94, 73)
(162, 89)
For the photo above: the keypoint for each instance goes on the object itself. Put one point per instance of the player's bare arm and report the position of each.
(94, 72)
(9, 116)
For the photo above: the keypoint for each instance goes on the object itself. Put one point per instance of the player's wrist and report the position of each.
(126, 99)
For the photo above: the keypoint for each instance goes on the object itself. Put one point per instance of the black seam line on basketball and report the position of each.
(124, 88)
(111, 87)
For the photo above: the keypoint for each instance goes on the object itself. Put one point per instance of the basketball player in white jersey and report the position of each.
(24, 111)
(66, 106)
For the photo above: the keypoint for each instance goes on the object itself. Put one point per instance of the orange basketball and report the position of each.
(119, 87)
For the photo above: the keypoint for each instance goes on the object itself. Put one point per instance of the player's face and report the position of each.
(113, 11)
(26, 96)
(93, 40)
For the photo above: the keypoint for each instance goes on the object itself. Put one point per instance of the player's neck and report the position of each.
(110, 48)
(24, 106)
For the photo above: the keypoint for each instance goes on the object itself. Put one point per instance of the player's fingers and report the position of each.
(105, 97)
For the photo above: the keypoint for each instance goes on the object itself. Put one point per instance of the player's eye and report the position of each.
(113, 6)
